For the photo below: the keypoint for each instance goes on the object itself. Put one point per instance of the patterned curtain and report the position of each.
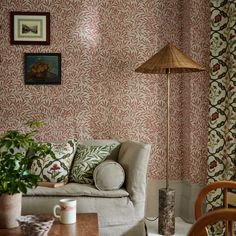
(222, 123)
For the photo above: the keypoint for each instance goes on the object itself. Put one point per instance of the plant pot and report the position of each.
(10, 209)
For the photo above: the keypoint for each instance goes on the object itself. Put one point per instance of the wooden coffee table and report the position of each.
(86, 225)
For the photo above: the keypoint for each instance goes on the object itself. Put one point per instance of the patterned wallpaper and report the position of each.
(101, 97)
(196, 38)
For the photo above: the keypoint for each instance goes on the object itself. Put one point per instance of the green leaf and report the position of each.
(4, 185)
(22, 187)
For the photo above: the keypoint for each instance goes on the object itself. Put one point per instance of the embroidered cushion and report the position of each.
(56, 167)
(85, 161)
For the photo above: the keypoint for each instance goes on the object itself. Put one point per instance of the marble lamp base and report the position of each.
(166, 219)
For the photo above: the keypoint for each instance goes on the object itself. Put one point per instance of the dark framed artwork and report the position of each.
(30, 28)
(42, 68)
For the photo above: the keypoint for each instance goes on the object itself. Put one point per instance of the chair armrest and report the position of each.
(133, 157)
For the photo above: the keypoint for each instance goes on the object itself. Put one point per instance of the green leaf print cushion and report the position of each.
(85, 161)
(56, 167)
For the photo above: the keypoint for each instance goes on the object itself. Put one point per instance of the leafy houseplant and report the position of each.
(17, 152)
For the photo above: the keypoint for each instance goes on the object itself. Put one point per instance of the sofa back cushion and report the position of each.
(56, 167)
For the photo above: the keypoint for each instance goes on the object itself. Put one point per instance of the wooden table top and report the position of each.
(86, 225)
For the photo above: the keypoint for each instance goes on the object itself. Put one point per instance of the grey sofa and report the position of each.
(120, 212)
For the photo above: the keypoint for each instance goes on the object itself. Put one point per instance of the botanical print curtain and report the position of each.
(222, 123)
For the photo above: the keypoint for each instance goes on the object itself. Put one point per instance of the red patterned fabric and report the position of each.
(101, 97)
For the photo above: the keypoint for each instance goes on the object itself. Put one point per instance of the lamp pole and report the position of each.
(166, 220)
(168, 128)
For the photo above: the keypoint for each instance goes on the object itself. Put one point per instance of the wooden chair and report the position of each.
(212, 217)
(224, 185)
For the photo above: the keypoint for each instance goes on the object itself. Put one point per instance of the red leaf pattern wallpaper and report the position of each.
(101, 97)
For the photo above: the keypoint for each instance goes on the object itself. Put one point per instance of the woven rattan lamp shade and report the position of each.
(169, 57)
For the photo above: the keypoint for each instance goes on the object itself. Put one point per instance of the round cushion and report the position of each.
(109, 175)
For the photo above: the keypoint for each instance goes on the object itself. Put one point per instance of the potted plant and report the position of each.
(18, 149)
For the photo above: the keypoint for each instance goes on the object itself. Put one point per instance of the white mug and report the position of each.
(67, 211)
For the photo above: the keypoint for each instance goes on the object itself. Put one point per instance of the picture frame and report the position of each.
(30, 28)
(42, 68)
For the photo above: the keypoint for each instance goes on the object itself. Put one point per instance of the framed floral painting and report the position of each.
(42, 68)
(30, 28)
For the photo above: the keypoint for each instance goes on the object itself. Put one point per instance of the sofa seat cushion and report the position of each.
(75, 189)
(111, 211)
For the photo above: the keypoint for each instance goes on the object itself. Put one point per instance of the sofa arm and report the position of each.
(134, 156)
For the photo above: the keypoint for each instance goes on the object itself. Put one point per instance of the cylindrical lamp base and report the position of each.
(166, 219)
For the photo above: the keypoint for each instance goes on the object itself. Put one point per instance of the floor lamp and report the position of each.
(168, 60)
